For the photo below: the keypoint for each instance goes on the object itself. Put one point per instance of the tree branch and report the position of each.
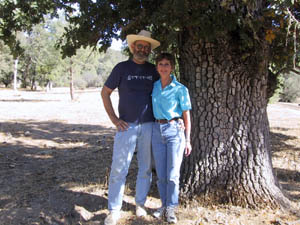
(297, 25)
(296, 70)
(294, 19)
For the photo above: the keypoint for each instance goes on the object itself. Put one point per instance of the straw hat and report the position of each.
(143, 35)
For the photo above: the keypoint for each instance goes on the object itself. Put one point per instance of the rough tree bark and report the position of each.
(231, 161)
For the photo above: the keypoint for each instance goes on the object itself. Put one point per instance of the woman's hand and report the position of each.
(181, 124)
(188, 148)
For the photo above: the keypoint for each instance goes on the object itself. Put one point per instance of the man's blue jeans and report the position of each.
(137, 136)
(168, 144)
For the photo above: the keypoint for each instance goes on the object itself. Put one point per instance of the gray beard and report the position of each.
(140, 57)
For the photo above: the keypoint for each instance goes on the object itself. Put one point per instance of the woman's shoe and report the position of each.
(170, 215)
(159, 213)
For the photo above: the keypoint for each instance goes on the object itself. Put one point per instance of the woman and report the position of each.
(171, 102)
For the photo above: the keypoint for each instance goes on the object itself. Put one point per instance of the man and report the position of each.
(134, 79)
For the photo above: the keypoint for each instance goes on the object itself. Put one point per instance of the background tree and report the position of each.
(41, 64)
(39, 57)
(6, 65)
(290, 87)
(226, 51)
(107, 62)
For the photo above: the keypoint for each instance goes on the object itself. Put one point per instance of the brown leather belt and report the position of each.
(163, 121)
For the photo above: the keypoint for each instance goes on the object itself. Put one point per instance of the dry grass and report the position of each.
(55, 157)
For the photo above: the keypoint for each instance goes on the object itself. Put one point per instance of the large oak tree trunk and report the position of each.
(231, 161)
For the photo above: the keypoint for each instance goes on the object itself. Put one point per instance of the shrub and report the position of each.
(290, 88)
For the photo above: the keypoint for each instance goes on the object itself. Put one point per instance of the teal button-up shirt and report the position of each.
(171, 101)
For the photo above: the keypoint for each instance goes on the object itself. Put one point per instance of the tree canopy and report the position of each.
(93, 23)
(41, 63)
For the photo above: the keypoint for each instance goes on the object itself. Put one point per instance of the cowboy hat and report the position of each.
(143, 35)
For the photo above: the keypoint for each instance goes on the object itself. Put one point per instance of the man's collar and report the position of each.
(136, 62)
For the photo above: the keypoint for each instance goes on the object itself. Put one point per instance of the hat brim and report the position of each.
(131, 38)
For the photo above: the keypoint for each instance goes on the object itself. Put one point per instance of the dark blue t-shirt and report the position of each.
(135, 83)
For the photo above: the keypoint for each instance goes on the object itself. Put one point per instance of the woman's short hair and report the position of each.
(166, 56)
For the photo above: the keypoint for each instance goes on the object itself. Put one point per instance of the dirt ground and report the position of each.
(55, 157)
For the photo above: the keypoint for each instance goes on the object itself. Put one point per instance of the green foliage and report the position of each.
(39, 57)
(6, 65)
(19, 15)
(41, 62)
(275, 86)
(247, 25)
(107, 61)
(284, 17)
(91, 79)
(290, 91)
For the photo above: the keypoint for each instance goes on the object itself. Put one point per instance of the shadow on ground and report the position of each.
(282, 147)
(56, 173)
(279, 140)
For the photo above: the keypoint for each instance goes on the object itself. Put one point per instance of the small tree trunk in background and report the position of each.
(230, 161)
(49, 86)
(33, 85)
(15, 73)
(71, 82)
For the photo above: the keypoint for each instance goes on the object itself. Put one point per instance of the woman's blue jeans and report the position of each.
(137, 136)
(168, 144)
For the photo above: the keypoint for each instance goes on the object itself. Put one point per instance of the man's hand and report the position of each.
(120, 124)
